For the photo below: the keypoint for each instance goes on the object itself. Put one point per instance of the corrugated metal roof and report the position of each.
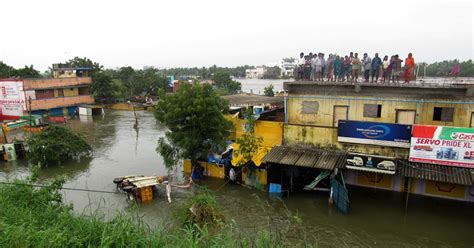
(441, 173)
(306, 157)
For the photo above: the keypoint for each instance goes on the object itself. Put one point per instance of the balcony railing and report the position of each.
(61, 102)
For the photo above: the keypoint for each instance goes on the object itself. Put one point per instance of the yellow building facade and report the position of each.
(312, 112)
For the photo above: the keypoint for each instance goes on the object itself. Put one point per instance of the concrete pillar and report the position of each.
(357, 88)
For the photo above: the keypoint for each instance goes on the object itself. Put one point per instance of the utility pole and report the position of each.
(135, 114)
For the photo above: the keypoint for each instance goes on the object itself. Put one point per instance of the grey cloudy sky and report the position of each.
(228, 33)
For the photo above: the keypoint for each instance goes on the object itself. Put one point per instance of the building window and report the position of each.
(84, 91)
(443, 114)
(310, 107)
(44, 94)
(60, 93)
(372, 110)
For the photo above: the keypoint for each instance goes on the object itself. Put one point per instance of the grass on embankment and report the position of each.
(37, 217)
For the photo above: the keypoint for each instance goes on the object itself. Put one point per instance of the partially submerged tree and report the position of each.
(56, 144)
(249, 143)
(268, 90)
(195, 121)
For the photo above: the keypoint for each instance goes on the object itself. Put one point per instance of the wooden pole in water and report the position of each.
(408, 193)
(135, 114)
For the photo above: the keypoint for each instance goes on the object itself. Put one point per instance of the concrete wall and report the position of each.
(270, 131)
(60, 102)
(424, 110)
(418, 186)
(47, 83)
(317, 128)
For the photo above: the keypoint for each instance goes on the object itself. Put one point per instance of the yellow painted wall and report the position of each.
(71, 92)
(187, 168)
(371, 179)
(270, 131)
(213, 170)
(326, 137)
(324, 117)
(255, 177)
(317, 129)
(445, 189)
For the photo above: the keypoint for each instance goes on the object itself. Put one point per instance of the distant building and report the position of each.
(66, 71)
(287, 66)
(257, 72)
(57, 96)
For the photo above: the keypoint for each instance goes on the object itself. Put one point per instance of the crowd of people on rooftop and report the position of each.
(315, 67)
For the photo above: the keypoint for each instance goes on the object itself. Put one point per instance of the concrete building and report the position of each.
(57, 96)
(257, 72)
(287, 66)
(381, 136)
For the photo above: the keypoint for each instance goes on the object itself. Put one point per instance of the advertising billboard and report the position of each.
(12, 99)
(371, 163)
(443, 145)
(374, 133)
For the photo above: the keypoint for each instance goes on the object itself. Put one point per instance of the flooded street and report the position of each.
(376, 218)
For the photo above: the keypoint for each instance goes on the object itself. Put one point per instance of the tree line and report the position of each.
(443, 68)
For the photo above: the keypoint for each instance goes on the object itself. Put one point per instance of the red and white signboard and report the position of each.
(12, 99)
(443, 145)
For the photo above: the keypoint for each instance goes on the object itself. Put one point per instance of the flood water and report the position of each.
(376, 218)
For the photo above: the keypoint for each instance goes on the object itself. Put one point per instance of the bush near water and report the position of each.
(38, 217)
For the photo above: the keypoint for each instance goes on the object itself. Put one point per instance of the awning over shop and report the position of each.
(306, 157)
(440, 173)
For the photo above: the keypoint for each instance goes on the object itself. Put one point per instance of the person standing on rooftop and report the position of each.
(356, 67)
(323, 66)
(307, 68)
(300, 69)
(313, 73)
(351, 57)
(456, 69)
(318, 67)
(330, 67)
(337, 69)
(346, 68)
(367, 65)
(376, 63)
(409, 67)
(396, 67)
(386, 68)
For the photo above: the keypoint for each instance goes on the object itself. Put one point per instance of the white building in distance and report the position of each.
(257, 72)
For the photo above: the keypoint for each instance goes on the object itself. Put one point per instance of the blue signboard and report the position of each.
(374, 133)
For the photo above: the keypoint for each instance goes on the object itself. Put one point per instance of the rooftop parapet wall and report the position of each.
(37, 84)
(451, 91)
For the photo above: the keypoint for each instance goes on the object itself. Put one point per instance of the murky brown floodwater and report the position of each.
(376, 218)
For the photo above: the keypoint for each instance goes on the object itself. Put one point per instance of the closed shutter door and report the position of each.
(406, 116)
(340, 113)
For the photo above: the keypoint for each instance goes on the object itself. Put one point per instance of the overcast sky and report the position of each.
(180, 33)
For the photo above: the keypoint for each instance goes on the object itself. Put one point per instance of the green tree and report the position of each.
(195, 122)
(85, 62)
(272, 72)
(102, 87)
(7, 71)
(268, 90)
(56, 144)
(249, 143)
(224, 83)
